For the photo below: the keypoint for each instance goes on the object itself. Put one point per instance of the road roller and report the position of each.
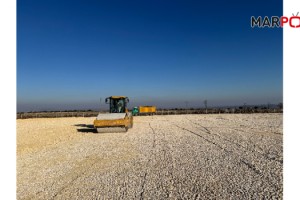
(118, 119)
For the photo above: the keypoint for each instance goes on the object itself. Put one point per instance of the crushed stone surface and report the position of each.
(221, 156)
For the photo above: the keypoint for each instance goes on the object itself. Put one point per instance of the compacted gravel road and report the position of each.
(226, 156)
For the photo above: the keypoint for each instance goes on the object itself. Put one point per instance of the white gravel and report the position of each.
(226, 156)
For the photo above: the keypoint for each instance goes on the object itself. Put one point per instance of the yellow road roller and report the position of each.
(118, 119)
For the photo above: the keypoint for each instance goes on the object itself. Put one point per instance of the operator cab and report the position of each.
(118, 104)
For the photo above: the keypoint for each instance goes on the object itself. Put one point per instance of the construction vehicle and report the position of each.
(144, 110)
(118, 119)
(135, 111)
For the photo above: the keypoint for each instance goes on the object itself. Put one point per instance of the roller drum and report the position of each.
(112, 129)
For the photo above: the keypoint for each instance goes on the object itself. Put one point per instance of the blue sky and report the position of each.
(72, 53)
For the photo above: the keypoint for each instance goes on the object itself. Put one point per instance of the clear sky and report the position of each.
(71, 53)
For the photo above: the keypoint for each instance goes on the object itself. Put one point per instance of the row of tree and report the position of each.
(206, 108)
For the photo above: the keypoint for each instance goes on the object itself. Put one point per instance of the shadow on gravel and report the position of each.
(86, 128)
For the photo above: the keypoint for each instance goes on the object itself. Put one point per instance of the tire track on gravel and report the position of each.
(154, 143)
(167, 156)
(162, 158)
(78, 175)
(252, 167)
(252, 128)
(246, 148)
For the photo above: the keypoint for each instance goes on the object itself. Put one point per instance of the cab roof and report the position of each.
(118, 97)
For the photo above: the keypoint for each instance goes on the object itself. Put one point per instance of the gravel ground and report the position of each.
(226, 156)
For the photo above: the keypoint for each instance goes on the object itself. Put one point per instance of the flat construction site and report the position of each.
(220, 156)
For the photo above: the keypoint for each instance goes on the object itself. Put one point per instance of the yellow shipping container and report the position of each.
(147, 109)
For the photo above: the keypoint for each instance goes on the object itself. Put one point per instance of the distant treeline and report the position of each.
(55, 114)
(174, 111)
(218, 111)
